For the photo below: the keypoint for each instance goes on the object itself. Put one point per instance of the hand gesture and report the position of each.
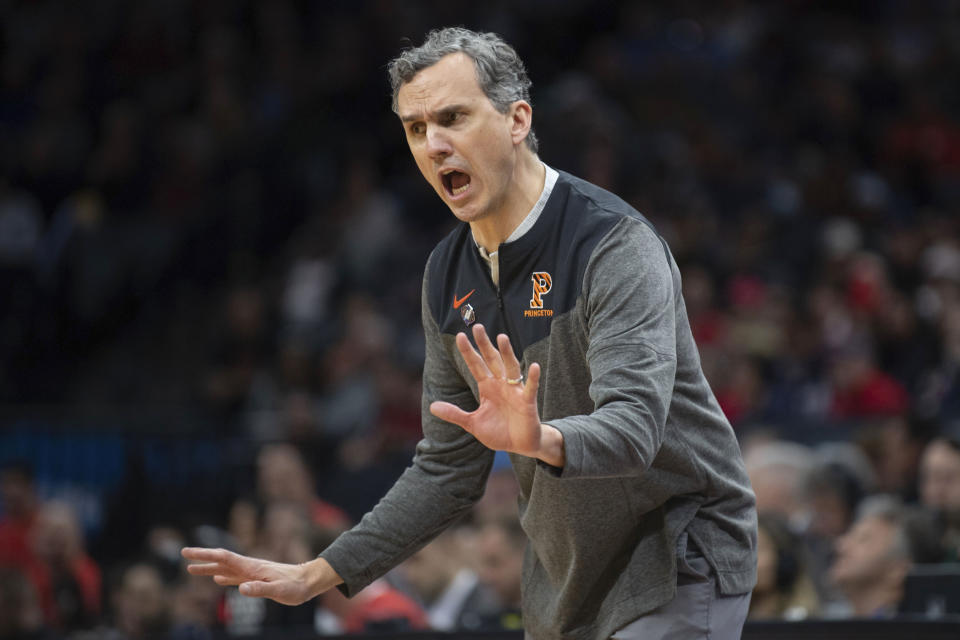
(507, 418)
(290, 584)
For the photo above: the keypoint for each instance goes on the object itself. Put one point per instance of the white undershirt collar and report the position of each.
(491, 258)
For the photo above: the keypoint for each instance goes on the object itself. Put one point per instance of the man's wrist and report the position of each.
(551, 446)
(320, 576)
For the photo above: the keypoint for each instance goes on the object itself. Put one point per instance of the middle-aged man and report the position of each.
(940, 486)
(873, 558)
(634, 497)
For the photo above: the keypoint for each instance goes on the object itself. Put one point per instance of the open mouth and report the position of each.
(455, 182)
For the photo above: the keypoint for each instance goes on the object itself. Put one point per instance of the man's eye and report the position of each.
(417, 129)
(453, 117)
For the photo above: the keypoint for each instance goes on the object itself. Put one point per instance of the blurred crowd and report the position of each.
(208, 208)
(51, 587)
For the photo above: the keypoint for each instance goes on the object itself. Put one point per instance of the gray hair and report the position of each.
(500, 72)
(919, 533)
(891, 510)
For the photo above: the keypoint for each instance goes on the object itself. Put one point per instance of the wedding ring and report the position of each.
(515, 380)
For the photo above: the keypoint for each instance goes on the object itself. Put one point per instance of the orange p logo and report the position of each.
(541, 286)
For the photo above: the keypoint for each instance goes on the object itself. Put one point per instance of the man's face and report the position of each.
(499, 564)
(463, 146)
(940, 477)
(865, 554)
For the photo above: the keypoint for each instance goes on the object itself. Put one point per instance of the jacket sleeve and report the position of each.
(447, 477)
(629, 314)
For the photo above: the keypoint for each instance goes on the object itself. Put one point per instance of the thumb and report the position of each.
(451, 413)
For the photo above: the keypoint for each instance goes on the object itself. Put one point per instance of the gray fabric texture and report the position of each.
(698, 612)
(649, 454)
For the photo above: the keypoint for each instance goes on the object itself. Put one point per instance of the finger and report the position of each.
(227, 581)
(533, 383)
(203, 554)
(222, 556)
(452, 413)
(207, 569)
(474, 362)
(260, 589)
(218, 562)
(254, 589)
(490, 354)
(511, 365)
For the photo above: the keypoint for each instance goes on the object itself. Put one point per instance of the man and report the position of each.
(500, 550)
(873, 558)
(633, 493)
(441, 578)
(940, 487)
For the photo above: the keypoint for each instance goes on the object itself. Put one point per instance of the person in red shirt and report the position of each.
(19, 510)
(282, 475)
(861, 390)
(379, 607)
(67, 580)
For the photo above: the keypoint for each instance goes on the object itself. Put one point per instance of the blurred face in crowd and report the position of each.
(16, 494)
(286, 533)
(499, 564)
(766, 563)
(867, 555)
(141, 601)
(431, 569)
(282, 475)
(56, 534)
(940, 477)
(829, 514)
(463, 146)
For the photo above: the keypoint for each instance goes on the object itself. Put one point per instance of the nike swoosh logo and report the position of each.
(457, 303)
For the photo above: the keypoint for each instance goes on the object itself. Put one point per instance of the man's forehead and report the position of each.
(451, 79)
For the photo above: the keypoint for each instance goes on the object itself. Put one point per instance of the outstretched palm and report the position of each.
(507, 418)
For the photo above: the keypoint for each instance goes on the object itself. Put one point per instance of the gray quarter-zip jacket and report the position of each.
(592, 293)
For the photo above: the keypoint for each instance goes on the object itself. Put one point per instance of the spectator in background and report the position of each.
(141, 608)
(380, 608)
(860, 388)
(784, 588)
(499, 560)
(19, 512)
(894, 447)
(20, 614)
(499, 501)
(377, 609)
(443, 582)
(875, 555)
(67, 580)
(241, 345)
(284, 533)
(779, 472)
(940, 488)
(282, 475)
(194, 609)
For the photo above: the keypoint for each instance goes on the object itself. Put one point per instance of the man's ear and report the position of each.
(521, 119)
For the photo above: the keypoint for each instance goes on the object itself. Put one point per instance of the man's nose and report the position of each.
(438, 145)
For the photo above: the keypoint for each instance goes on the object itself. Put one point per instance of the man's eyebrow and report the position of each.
(434, 115)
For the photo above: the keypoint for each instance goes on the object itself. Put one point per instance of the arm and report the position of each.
(447, 477)
(631, 292)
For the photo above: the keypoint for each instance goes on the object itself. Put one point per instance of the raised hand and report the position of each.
(507, 418)
(290, 584)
